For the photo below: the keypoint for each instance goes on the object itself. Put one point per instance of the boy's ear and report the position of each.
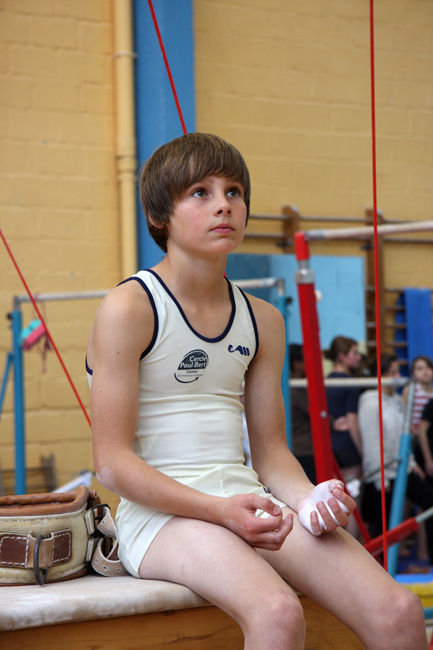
(158, 226)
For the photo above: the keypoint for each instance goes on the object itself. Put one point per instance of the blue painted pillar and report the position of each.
(20, 436)
(157, 119)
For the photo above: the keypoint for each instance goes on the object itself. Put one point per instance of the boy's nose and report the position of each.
(222, 205)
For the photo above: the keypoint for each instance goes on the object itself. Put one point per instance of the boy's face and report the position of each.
(209, 217)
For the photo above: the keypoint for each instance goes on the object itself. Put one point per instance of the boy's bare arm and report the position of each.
(278, 469)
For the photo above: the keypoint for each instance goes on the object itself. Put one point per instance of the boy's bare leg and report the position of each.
(223, 568)
(338, 573)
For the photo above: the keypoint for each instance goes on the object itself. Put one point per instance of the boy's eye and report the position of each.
(200, 192)
(234, 191)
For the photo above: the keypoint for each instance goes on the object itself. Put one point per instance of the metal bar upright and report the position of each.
(285, 389)
(400, 483)
(20, 438)
(8, 364)
(318, 407)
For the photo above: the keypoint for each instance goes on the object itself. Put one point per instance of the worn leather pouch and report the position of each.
(56, 536)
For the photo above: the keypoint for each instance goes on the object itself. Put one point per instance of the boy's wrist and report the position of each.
(213, 509)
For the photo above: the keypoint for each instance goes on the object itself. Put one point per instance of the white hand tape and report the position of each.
(321, 492)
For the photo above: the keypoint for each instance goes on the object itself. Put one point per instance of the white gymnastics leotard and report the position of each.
(190, 411)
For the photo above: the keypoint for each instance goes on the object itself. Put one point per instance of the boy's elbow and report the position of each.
(105, 476)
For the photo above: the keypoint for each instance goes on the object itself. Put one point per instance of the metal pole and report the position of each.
(9, 361)
(282, 306)
(259, 283)
(360, 382)
(400, 483)
(53, 297)
(320, 429)
(20, 436)
(367, 231)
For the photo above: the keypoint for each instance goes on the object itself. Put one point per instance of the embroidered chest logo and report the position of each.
(240, 348)
(192, 366)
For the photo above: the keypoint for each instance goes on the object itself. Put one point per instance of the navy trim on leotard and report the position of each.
(155, 313)
(88, 368)
(253, 320)
(155, 316)
(182, 313)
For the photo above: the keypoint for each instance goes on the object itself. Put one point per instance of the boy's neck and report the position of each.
(193, 277)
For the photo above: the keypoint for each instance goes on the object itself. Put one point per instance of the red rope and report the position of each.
(376, 285)
(41, 318)
(167, 66)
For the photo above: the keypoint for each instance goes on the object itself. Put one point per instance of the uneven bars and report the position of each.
(367, 231)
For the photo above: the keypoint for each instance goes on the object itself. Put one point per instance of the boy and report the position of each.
(168, 353)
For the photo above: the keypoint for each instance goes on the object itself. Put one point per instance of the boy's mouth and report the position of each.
(223, 227)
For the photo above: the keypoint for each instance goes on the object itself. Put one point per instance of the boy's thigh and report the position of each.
(335, 570)
(214, 562)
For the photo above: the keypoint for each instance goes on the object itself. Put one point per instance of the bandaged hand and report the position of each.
(326, 507)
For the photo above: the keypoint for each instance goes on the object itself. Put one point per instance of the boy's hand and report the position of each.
(238, 513)
(325, 508)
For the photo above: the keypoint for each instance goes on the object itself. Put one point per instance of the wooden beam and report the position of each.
(201, 628)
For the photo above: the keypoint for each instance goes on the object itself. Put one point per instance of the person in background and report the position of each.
(343, 402)
(343, 407)
(424, 444)
(419, 491)
(421, 372)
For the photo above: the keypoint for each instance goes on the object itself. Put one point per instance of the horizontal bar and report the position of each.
(367, 231)
(362, 382)
(259, 283)
(312, 217)
(395, 326)
(370, 288)
(406, 240)
(51, 297)
(426, 514)
(265, 235)
(269, 217)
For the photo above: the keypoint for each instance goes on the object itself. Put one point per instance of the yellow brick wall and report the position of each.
(58, 202)
(288, 82)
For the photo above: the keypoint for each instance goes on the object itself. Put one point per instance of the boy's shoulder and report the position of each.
(127, 300)
(270, 325)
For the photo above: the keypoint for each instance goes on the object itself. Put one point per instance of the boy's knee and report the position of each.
(402, 617)
(407, 608)
(282, 611)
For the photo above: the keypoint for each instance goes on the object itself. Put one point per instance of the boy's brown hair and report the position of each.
(181, 163)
